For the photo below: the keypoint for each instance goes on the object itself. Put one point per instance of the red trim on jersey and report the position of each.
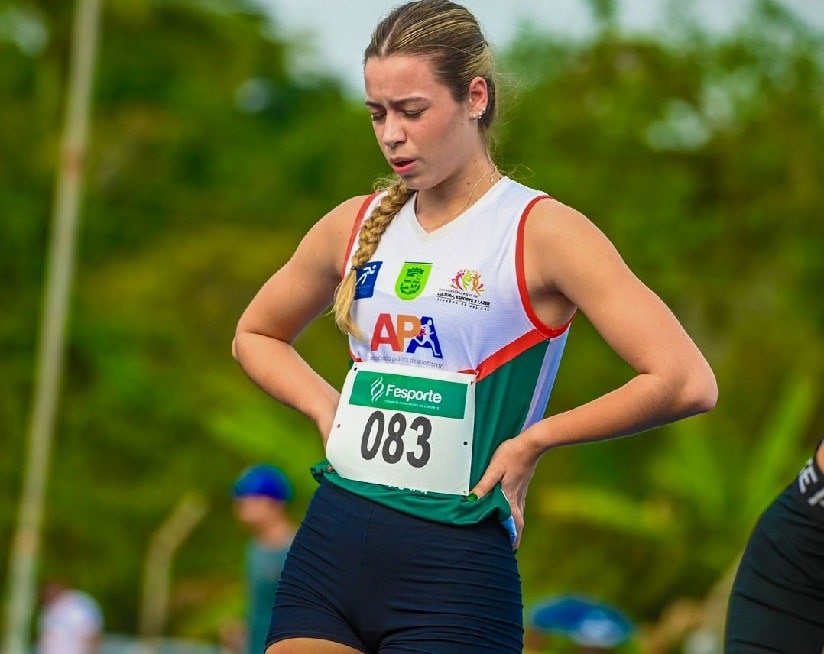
(541, 327)
(355, 231)
(508, 353)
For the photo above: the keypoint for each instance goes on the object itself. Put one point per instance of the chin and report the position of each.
(412, 182)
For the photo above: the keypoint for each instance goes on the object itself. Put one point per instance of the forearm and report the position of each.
(643, 403)
(282, 373)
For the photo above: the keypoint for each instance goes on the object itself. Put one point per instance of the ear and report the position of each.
(478, 96)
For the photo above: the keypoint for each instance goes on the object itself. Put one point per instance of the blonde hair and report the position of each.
(449, 36)
(368, 238)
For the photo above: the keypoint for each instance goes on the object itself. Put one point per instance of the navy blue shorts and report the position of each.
(381, 581)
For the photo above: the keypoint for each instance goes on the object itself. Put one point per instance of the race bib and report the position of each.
(404, 427)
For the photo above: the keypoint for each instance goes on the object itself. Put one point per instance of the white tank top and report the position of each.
(456, 300)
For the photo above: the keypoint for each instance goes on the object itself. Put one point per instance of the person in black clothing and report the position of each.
(777, 600)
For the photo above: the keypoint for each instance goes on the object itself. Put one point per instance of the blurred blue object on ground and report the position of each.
(582, 620)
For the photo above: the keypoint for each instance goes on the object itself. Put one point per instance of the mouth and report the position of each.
(400, 165)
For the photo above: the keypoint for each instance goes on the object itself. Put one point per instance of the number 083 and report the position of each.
(376, 433)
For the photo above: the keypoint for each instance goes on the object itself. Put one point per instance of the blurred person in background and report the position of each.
(457, 286)
(70, 622)
(777, 601)
(261, 494)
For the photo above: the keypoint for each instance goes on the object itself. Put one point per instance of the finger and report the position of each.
(486, 483)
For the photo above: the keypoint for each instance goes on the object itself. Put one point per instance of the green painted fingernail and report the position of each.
(472, 497)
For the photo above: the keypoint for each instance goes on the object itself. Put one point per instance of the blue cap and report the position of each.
(263, 481)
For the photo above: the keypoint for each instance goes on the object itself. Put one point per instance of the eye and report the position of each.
(377, 116)
(413, 114)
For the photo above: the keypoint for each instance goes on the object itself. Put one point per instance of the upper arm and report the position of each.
(572, 258)
(305, 285)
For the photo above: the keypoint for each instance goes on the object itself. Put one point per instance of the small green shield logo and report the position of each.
(412, 279)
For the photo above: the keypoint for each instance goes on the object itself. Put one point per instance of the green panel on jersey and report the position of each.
(503, 400)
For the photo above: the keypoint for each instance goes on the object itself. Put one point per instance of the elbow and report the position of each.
(700, 392)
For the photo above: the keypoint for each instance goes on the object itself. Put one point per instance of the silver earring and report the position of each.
(479, 115)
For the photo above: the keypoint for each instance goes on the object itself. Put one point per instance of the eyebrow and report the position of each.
(395, 103)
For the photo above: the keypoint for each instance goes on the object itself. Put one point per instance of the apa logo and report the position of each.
(468, 281)
(404, 333)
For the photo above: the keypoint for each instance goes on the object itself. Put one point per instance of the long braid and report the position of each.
(368, 238)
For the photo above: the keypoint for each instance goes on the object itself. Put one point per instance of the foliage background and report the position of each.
(699, 155)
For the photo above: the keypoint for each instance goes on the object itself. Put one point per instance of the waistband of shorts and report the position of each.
(347, 501)
(808, 487)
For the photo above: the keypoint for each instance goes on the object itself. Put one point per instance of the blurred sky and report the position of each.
(337, 31)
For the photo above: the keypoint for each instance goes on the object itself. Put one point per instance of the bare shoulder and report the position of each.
(343, 216)
(340, 221)
(553, 222)
(562, 243)
(305, 285)
(328, 239)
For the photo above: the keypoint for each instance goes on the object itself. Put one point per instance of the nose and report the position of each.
(393, 132)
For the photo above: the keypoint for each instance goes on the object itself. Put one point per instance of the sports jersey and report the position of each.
(433, 305)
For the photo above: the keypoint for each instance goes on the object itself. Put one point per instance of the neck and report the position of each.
(439, 206)
(276, 534)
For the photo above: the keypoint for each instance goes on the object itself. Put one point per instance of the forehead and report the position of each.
(392, 78)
